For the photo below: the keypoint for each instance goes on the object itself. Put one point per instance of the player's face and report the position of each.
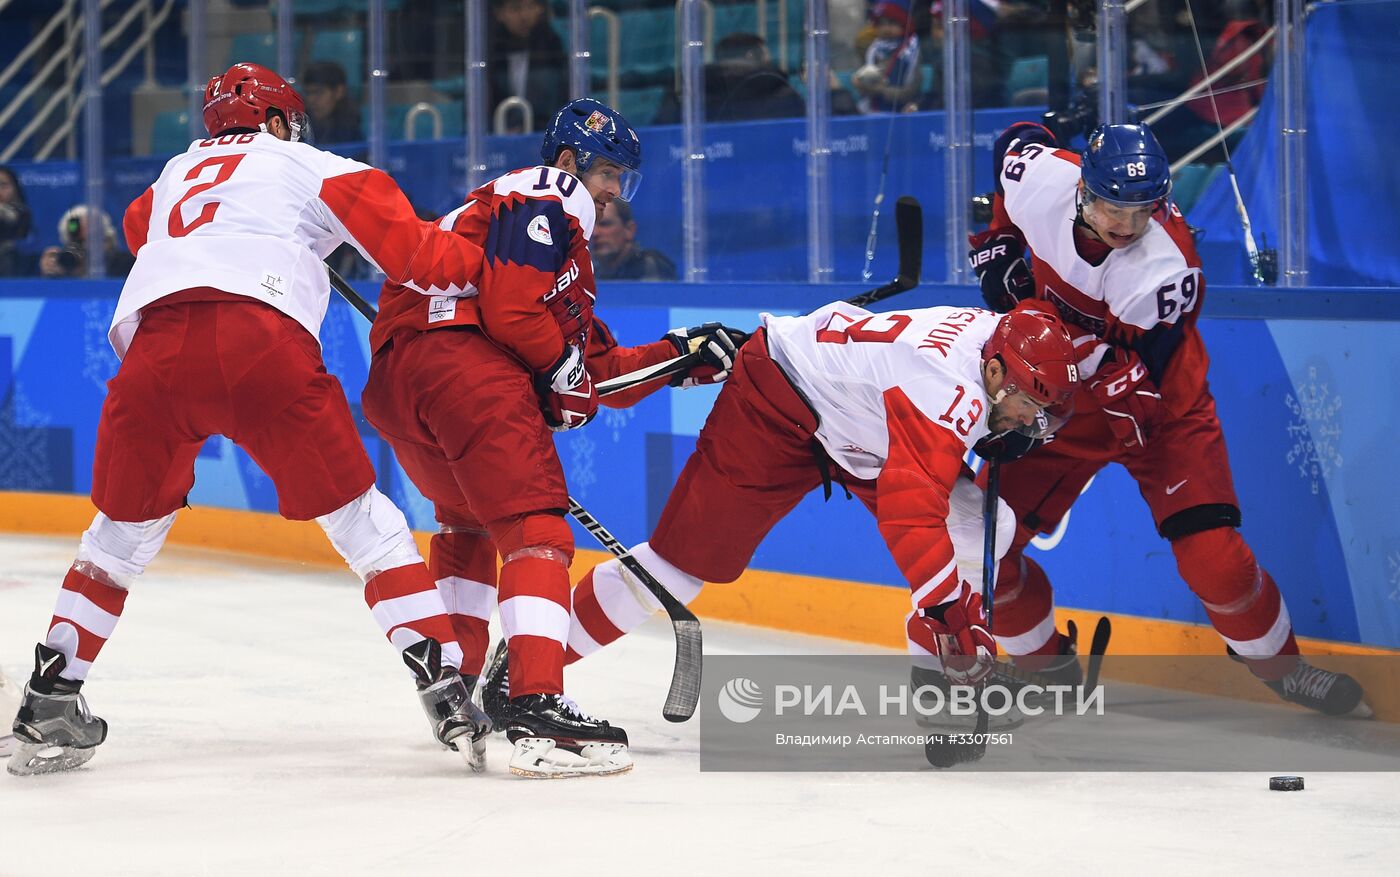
(603, 179)
(1115, 225)
(1013, 411)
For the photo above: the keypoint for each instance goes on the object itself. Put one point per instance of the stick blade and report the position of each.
(684, 695)
(909, 232)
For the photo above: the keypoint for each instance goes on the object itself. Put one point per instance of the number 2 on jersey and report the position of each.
(226, 165)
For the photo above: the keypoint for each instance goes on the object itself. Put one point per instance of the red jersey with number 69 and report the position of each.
(251, 215)
(1145, 296)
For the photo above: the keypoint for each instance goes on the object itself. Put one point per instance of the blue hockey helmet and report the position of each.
(1125, 165)
(595, 130)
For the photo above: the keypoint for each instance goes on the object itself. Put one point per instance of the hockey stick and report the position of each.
(685, 678)
(684, 695)
(909, 233)
(941, 754)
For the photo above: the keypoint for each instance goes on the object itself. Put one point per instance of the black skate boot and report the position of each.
(554, 738)
(1332, 694)
(54, 728)
(495, 690)
(1062, 668)
(446, 695)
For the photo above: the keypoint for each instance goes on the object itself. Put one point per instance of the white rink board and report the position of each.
(262, 725)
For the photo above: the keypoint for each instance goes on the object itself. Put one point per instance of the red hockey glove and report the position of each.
(572, 309)
(1130, 400)
(965, 646)
(567, 395)
(998, 259)
(717, 345)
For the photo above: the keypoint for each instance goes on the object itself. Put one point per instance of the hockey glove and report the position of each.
(567, 395)
(572, 309)
(998, 259)
(717, 345)
(1129, 399)
(965, 645)
(1004, 447)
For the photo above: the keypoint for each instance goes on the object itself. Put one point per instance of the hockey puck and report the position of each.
(1286, 784)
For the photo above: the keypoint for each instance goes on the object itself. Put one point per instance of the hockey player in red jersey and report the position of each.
(886, 404)
(216, 329)
(467, 387)
(1116, 260)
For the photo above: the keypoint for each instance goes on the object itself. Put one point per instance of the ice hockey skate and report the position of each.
(446, 695)
(1332, 694)
(553, 738)
(53, 728)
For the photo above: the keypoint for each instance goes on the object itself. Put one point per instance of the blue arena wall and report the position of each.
(1317, 475)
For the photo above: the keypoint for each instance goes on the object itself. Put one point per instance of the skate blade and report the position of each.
(31, 759)
(541, 758)
(473, 752)
(1361, 711)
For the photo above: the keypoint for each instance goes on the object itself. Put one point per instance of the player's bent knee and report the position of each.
(542, 535)
(1199, 519)
(122, 549)
(1215, 563)
(371, 533)
(682, 585)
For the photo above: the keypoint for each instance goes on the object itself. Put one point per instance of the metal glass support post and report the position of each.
(378, 76)
(92, 136)
(1112, 61)
(580, 58)
(197, 76)
(475, 86)
(1292, 141)
(957, 132)
(284, 42)
(693, 140)
(819, 257)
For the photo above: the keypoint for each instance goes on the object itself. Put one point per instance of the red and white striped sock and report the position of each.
(408, 607)
(88, 608)
(463, 563)
(608, 601)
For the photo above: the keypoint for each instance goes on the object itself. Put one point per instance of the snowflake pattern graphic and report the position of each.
(25, 461)
(99, 360)
(581, 472)
(1392, 564)
(616, 420)
(1316, 430)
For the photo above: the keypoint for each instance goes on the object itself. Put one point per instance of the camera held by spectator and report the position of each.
(70, 258)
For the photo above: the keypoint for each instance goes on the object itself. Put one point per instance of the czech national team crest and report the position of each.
(596, 122)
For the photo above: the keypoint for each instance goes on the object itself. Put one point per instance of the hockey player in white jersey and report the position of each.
(888, 404)
(216, 328)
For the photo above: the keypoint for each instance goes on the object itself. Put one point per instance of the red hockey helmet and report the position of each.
(242, 97)
(1036, 350)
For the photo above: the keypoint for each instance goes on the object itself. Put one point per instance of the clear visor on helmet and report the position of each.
(1020, 412)
(1131, 208)
(627, 181)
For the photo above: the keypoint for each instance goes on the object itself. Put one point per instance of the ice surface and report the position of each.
(262, 725)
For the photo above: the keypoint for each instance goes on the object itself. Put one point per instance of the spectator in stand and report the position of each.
(14, 225)
(988, 65)
(70, 258)
(889, 81)
(526, 59)
(616, 253)
(742, 84)
(334, 117)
